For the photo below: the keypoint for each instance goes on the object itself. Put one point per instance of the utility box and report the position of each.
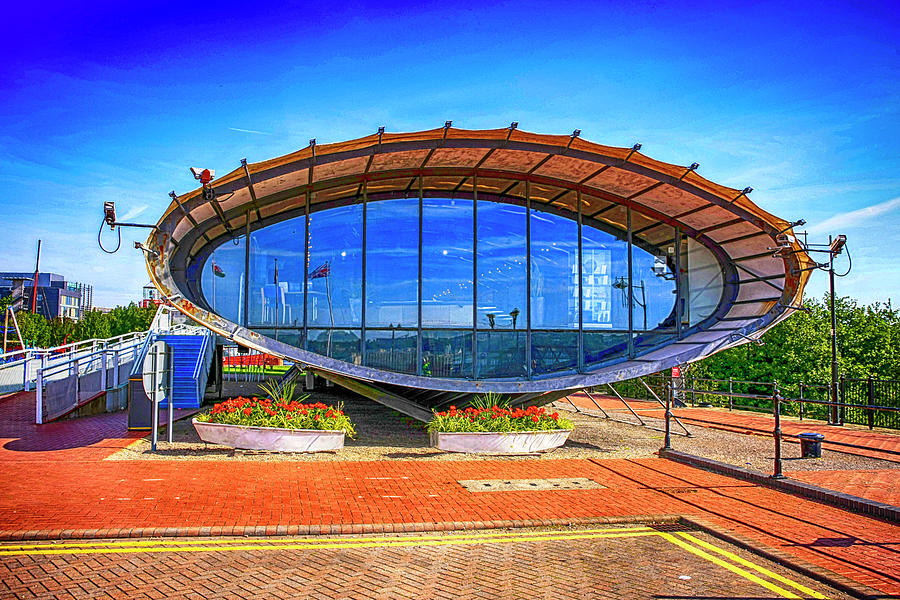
(811, 445)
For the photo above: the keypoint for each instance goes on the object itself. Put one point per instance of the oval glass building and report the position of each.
(421, 268)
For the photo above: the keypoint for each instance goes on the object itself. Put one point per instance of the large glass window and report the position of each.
(451, 278)
(554, 272)
(342, 344)
(704, 282)
(222, 281)
(392, 350)
(653, 281)
(605, 279)
(502, 267)
(276, 274)
(447, 255)
(447, 353)
(392, 263)
(335, 268)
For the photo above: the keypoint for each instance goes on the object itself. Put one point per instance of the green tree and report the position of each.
(799, 348)
(93, 325)
(35, 329)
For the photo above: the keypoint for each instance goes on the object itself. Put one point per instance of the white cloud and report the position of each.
(134, 212)
(248, 131)
(853, 217)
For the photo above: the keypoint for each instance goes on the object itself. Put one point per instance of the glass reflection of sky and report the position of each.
(447, 261)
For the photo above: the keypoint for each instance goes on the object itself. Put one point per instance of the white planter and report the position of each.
(269, 438)
(485, 442)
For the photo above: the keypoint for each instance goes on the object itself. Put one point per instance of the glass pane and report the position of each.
(392, 350)
(605, 277)
(644, 342)
(501, 354)
(335, 267)
(554, 271)
(342, 344)
(501, 267)
(554, 351)
(392, 263)
(601, 347)
(447, 353)
(704, 282)
(276, 274)
(292, 337)
(222, 281)
(447, 262)
(653, 280)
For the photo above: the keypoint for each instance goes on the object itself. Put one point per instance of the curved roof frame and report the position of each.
(193, 224)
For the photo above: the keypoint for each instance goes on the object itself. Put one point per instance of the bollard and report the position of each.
(801, 400)
(776, 400)
(730, 392)
(668, 439)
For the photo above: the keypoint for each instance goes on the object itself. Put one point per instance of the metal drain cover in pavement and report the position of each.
(532, 485)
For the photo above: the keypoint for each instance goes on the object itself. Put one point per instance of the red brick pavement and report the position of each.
(879, 485)
(50, 487)
(881, 444)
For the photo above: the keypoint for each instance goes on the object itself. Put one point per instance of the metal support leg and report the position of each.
(776, 400)
(668, 439)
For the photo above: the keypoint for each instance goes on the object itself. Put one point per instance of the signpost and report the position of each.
(157, 377)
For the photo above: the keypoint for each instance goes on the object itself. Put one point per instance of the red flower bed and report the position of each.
(255, 412)
(497, 419)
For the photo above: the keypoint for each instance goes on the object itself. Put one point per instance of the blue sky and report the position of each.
(107, 101)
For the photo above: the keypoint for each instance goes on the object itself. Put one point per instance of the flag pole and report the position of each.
(330, 309)
(276, 299)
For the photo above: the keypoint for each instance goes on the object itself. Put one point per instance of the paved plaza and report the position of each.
(60, 488)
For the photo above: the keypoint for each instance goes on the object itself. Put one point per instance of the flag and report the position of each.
(217, 271)
(323, 271)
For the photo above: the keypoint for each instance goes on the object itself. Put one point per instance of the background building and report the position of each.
(55, 297)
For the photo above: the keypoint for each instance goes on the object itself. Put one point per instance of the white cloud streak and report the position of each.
(248, 131)
(134, 212)
(854, 217)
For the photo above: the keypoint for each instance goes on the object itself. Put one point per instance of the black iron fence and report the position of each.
(871, 402)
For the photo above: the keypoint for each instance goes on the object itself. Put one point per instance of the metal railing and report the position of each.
(778, 402)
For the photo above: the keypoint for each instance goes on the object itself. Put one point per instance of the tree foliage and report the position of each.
(39, 332)
(799, 348)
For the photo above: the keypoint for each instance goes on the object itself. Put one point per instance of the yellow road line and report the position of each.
(279, 541)
(737, 570)
(747, 563)
(384, 543)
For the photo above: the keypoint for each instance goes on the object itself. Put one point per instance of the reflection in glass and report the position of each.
(447, 353)
(393, 350)
(342, 344)
(554, 351)
(392, 263)
(605, 279)
(554, 271)
(646, 341)
(335, 267)
(502, 301)
(222, 281)
(291, 337)
(601, 347)
(653, 281)
(447, 252)
(276, 274)
(501, 353)
(704, 282)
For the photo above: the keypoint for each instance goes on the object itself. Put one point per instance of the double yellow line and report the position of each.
(700, 548)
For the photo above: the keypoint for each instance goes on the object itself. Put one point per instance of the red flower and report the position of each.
(248, 410)
(535, 418)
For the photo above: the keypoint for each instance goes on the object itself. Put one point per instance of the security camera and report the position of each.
(109, 214)
(203, 175)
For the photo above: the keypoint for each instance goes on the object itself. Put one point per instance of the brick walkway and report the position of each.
(610, 563)
(881, 444)
(49, 485)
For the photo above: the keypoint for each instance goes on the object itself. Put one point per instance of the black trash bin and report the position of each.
(811, 445)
